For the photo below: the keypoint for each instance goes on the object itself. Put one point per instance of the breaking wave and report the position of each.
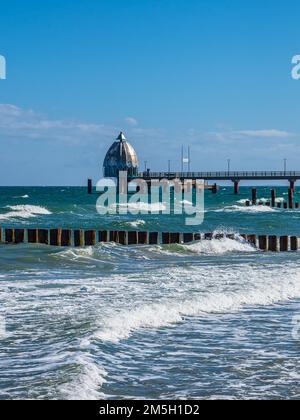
(251, 209)
(220, 246)
(230, 291)
(136, 223)
(88, 382)
(24, 212)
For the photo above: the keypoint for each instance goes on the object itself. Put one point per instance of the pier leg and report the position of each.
(236, 187)
(292, 185)
(90, 186)
(291, 198)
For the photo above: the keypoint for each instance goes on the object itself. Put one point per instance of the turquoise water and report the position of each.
(212, 319)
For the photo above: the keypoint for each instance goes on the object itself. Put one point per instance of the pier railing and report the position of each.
(225, 175)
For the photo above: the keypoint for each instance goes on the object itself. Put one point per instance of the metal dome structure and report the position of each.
(120, 157)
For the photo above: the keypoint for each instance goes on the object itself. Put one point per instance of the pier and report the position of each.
(92, 237)
(235, 177)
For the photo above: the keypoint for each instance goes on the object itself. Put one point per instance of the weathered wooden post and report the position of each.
(114, 236)
(103, 236)
(284, 243)
(32, 235)
(188, 238)
(153, 238)
(165, 238)
(79, 238)
(90, 237)
(142, 238)
(55, 237)
(294, 243)
(273, 244)
(174, 238)
(43, 236)
(254, 196)
(9, 236)
(19, 236)
(66, 237)
(208, 236)
(132, 238)
(122, 237)
(252, 239)
(263, 243)
(219, 236)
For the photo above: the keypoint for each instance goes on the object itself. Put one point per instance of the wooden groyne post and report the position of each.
(80, 238)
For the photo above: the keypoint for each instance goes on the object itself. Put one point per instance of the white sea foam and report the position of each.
(186, 203)
(3, 332)
(87, 384)
(136, 223)
(220, 246)
(219, 292)
(24, 212)
(147, 207)
(251, 209)
(262, 200)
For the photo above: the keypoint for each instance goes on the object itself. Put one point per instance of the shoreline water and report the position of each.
(212, 319)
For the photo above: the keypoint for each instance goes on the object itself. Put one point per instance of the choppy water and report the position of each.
(206, 320)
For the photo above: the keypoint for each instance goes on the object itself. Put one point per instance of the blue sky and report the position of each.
(212, 74)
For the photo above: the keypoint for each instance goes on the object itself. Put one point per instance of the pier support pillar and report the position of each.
(90, 186)
(236, 186)
(214, 189)
(292, 185)
(291, 198)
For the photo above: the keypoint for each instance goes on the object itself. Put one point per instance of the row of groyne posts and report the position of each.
(273, 202)
(81, 238)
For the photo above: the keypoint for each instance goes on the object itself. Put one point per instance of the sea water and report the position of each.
(212, 319)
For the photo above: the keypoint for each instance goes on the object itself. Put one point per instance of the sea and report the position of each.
(207, 320)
